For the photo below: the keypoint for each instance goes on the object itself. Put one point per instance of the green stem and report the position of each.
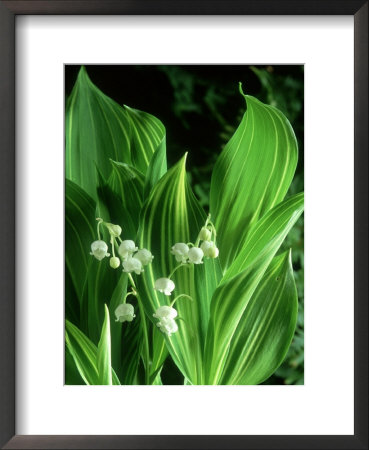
(181, 295)
(198, 236)
(144, 330)
(100, 221)
(180, 265)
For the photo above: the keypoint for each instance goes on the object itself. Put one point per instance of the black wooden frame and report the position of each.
(8, 11)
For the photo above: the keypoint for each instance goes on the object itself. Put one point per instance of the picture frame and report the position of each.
(8, 284)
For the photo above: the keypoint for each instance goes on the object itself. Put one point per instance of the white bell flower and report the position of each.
(195, 255)
(125, 313)
(99, 249)
(144, 256)
(127, 248)
(114, 262)
(164, 285)
(167, 326)
(166, 312)
(132, 265)
(180, 251)
(205, 234)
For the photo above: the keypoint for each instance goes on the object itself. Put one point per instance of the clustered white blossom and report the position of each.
(133, 259)
(166, 316)
(185, 254)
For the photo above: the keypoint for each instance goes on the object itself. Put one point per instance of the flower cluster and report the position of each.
(133, 259)
(185, 254)
(166, 316)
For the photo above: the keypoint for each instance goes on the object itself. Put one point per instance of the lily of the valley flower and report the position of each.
(114, 230)
(167, 326)
(205, 234)
(195, 255)
(209, 249)
(99, 249)
(165, 285)
(180, 251)
(144, 256)
(114, 262)
(125, 313)
(166, 312)
(127, 248)
(132, 265)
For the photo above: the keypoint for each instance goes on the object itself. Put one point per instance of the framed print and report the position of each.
(153, 300)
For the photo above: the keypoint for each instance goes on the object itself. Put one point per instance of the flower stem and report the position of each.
(181, 295)
(100, 221)
(180, 265)
(146, 350)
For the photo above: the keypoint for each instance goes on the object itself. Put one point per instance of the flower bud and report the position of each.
(144, 256)
(114, 262)
(180, 251)
(127, 248)
(213, 252)
(165, 312)
(195, 255)
(99, 249)
(164, 285)
(205, 234)
(124, 313)
(114, 230)
(209, 249)
(132, 265)
(167, 326)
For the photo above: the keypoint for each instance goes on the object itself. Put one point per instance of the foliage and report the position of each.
(237, 313)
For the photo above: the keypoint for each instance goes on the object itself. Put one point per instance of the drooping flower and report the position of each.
(209, 249)
(180, 251)
(144, 256)
(167, 326)
(99, 249)
(114, 262)
(205, 234)
(165, 285)
(132, 265)
(166, 312)
(127, 248)
(195, 255)
(125, 313)
(114, 230)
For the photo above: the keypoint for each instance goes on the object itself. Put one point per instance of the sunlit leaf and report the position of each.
(266, 328)
(251, 175)
(172, 214)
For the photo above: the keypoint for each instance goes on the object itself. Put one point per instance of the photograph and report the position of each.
(184, 229)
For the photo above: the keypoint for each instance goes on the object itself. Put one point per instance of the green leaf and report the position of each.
(266, 328)
(267, 235)
(172, 214)
(98, 129)
(84, 353)
(240, 281)
(157, 168)
(252, 175)
(104, 352)
(79, 235)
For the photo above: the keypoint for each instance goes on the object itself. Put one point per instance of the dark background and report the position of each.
(201, 107)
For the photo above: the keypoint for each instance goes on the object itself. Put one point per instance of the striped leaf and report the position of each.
(84, 353)
(98, 129)
(172, 214)
(252, 174)
(266, 328)
(79, 234)
(240, 281)
(104, 352)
